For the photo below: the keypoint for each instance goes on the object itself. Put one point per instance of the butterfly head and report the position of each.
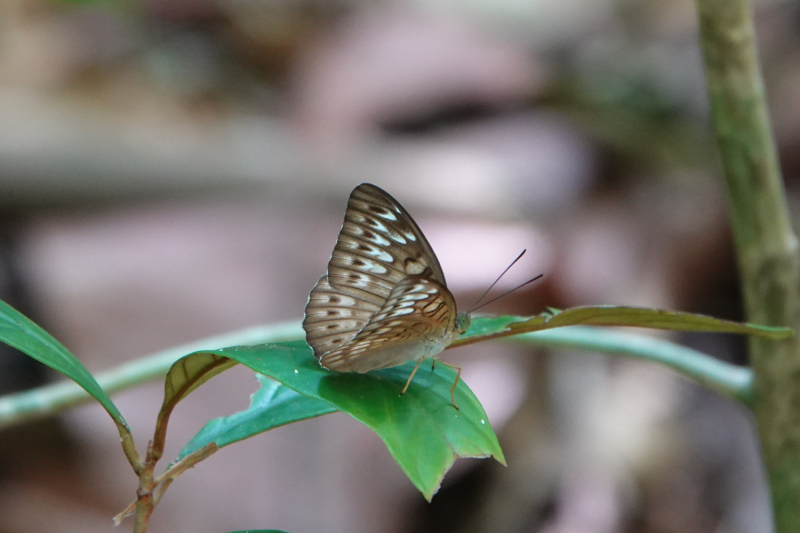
(463, 320)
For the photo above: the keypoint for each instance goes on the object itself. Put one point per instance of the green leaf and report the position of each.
(186, 374)
(484, 328)
(183, 377)
(56, 397)
(421, 429)
(489, 325)
(609, 315)
(22, 333)
(271, 406)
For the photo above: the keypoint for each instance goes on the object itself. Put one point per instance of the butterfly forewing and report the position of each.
(413, 323)
(379, 247)
(379, 232)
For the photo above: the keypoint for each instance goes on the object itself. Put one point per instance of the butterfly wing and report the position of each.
(378, 247)
(380, 240)
(333, 318)
(417, 320)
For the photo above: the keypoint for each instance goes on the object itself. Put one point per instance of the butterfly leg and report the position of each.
(411, 377)
(453, 388)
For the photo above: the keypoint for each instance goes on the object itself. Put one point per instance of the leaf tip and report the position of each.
(429, 494)
(500, 458)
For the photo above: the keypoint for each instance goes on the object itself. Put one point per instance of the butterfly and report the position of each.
(384, 300)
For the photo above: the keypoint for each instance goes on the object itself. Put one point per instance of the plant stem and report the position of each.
(144, 509)
(766, 246)
(729, 380)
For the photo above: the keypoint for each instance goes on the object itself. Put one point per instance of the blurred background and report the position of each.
(175, 169)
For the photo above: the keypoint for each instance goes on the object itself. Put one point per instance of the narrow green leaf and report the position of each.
(22, 333)
(421, 429)
(271, 406)
(609, 315)
(493, 327)
(489, 325)
(56, 397)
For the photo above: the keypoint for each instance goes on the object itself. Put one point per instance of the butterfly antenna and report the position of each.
(507, 293)
(474, 306)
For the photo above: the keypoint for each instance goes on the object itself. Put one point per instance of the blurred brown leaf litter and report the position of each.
(171, 170)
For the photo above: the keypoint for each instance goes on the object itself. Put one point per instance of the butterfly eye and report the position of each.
(463, 320)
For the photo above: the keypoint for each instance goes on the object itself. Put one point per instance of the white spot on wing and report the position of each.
(375, 268)
(415, 268)
(377, 239)
(343, 301)
(379, 226)
(396, 237)
(387, 216)
(384, 256)
(379, 254)
(413, 297)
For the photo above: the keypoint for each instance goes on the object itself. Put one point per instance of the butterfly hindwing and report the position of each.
(332, 318)
(410, 322)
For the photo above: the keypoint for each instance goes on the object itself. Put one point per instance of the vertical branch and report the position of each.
(766, 245)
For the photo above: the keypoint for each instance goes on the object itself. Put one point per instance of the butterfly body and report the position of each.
(384, 301)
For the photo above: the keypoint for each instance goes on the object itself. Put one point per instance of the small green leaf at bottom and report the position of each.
(271, 406)
(422, 430)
